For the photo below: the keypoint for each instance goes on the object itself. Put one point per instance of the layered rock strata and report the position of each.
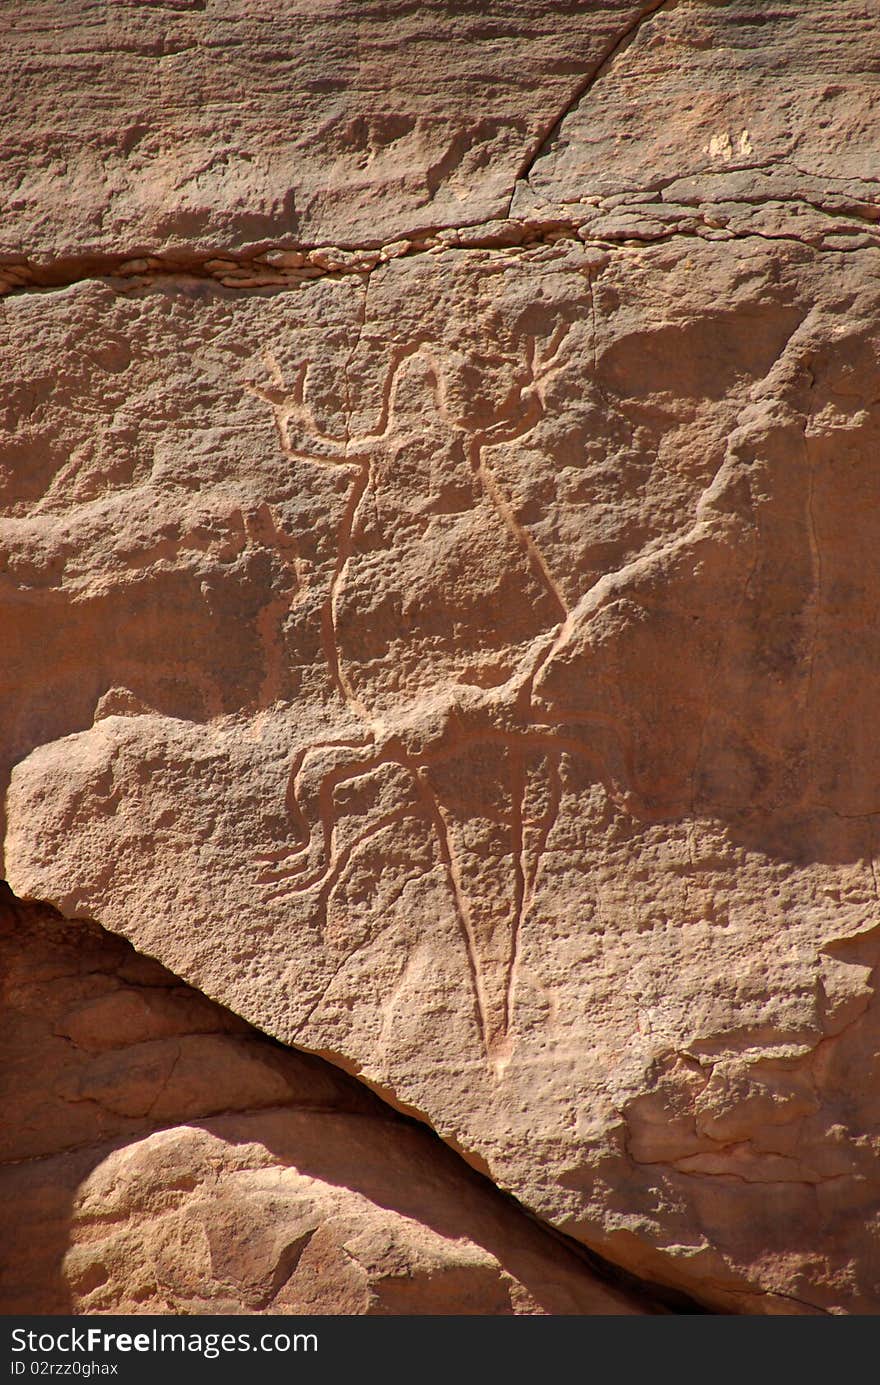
(441, 580)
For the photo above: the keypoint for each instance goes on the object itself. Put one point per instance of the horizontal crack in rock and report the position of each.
(284, 267)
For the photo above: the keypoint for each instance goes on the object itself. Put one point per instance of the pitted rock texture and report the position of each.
(192, 123)
(456, 652)
(165, 1158)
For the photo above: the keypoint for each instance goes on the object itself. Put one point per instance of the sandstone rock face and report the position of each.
(198, 124)
(441, 586)
(165, 1158)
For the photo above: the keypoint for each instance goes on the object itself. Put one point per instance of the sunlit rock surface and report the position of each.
(441, 580)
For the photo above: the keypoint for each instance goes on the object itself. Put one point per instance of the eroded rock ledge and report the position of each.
(163, 1157)
(466, 668)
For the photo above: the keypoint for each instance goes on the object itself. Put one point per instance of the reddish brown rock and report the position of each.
(165, 1158)
(734, 117)
(456, 652)
(218, 124)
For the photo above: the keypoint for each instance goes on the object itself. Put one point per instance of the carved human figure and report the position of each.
(429, 541)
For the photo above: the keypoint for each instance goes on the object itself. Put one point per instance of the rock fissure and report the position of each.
(588, 83)
(282, 267)
(466, 670)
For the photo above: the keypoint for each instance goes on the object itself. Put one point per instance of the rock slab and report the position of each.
(166, 1158)
(440, 584)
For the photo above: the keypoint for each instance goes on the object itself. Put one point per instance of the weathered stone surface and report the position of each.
(458, 657)
(218, 123)
(165, 1158)
(760, 118)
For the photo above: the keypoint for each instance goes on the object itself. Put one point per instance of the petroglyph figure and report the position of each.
(426, 508)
